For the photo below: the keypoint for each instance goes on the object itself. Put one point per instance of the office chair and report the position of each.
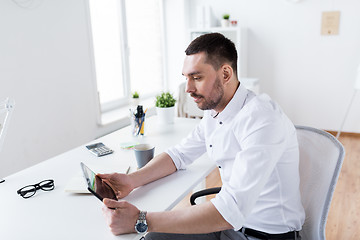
(321, 158)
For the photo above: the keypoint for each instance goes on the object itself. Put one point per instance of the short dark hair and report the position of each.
(218, 50)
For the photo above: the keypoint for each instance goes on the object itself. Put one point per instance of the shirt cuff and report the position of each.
(175, 156)
(228, 208)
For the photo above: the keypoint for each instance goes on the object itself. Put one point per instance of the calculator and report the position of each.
(99, 149)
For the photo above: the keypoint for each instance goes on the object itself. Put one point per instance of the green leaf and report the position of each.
(165, 100)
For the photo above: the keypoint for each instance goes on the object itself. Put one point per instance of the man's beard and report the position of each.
(214, 97)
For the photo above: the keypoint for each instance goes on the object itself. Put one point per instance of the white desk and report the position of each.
(61, 215)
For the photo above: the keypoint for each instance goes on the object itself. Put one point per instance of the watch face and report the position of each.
(141, 227)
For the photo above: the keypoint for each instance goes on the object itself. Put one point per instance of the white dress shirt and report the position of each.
(255, 146)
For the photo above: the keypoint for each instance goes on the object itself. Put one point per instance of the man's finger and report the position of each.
(110, 203)
(103, 175)
(118, 194)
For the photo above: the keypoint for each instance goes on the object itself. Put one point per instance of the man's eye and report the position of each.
(196, 78)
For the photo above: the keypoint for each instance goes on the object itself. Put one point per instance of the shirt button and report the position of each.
(210, 145)
(219, 166)
(221, 123)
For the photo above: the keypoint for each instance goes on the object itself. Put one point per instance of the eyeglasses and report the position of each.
(30, 190)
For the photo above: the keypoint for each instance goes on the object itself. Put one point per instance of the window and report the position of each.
(127, 41)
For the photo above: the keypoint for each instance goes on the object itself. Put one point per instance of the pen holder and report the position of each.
(138, 126)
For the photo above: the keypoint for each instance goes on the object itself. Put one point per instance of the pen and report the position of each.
(142, 125)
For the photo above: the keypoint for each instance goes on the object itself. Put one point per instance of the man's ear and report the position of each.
(227, 73)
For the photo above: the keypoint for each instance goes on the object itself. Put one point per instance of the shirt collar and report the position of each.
(234, 106)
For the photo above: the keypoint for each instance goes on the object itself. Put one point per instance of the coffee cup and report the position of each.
(143, 154)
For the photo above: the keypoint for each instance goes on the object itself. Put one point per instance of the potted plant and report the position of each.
(225, 22)
(165, 107)
(135, 94)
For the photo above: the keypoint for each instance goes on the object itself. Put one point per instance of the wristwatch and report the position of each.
(141, 225)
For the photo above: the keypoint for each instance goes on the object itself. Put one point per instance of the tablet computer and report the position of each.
(96, 185)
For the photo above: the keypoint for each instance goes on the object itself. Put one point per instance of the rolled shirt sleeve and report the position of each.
(190, 148)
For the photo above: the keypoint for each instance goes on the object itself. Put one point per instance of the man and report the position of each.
(252, 142)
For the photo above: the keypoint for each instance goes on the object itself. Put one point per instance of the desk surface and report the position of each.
(61, 215)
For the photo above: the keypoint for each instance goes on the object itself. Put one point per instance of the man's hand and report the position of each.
(120, 183)
(122, 218)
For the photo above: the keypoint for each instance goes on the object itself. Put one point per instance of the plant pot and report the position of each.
(134, 102)
(225, 22)
(165, 115)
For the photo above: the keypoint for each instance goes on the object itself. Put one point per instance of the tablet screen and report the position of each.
(96, 185)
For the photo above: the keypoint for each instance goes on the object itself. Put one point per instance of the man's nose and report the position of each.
(189, 87)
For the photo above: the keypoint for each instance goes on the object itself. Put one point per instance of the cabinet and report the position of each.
(236, 34)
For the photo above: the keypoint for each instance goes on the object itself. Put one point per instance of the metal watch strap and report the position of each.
(142, 216)
(141, 226)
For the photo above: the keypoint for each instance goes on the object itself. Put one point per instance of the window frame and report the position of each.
(126, 80)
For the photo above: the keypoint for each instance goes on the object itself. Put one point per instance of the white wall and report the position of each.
(311, 76)
(45, 66)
